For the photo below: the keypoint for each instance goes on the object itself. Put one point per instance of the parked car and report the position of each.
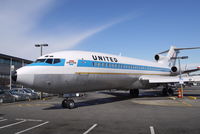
(6, 96)
(44, 95)
(18, 96)
(18, 91)
(32, 93)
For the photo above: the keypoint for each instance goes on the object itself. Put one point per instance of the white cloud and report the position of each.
(69, 41)
(19, 18)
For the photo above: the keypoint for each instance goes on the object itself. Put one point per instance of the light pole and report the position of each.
(11, 69)
(180, 74)
(41, 46)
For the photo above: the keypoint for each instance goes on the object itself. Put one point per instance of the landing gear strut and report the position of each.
(168, 91)
(68, 103)
(134, 92)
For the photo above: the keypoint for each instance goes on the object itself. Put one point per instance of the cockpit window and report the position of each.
(40, 60)
(49, 61)
(56, 61)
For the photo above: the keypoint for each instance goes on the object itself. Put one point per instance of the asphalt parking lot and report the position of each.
(105, 112)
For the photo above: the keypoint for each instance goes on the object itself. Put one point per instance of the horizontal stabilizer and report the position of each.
(190, 71)
(177, 49)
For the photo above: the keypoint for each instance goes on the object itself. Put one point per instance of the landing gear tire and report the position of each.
(164, 92)
(134, 92)
(168, 92)
(68, 103)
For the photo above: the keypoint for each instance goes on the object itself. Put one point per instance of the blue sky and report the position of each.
(134, 28)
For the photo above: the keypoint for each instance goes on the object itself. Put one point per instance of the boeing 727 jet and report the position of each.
(81, 71)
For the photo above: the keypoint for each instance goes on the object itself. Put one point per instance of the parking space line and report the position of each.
(152, 130)
(32, 128)
(30, 120)
(13, 124)
(3, 120)
(90, 129)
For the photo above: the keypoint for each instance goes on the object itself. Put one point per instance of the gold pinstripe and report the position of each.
(119, 73)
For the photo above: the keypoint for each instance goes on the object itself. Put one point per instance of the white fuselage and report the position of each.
(80, 71)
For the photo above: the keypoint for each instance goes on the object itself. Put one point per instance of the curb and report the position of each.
(192, 97)
(172, 98)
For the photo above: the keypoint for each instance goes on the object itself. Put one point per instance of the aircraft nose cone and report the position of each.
(14, 76)
(24, 76)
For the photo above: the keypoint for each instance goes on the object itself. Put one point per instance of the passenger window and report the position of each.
(49, 61)
(95, 64)
(56, 61)
(99, 64)
(113, 65)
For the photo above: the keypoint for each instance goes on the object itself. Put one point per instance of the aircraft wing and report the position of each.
(169, 79)
(191, 70)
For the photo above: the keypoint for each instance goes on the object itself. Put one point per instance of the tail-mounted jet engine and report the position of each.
(159, 57)
(174, 69)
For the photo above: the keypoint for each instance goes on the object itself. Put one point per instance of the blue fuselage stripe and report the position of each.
(99, 64)
(110, 65)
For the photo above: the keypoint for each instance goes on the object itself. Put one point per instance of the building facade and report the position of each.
(8, 63)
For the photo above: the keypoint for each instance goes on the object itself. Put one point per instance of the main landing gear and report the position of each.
(167, 91)
(134, 92)
(68, 103)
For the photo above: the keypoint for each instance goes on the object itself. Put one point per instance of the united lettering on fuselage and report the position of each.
(104, 58)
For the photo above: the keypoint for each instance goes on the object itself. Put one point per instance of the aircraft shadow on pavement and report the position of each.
(148, 94)
(194, 91)
(101, 101)
(116, 97)
(2, 115)
(196, 95)
(93, 102)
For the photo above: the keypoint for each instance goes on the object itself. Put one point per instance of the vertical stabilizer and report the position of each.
(172, 53)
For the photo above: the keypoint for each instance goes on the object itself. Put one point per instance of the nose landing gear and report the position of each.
(134, 92)
(68, 103)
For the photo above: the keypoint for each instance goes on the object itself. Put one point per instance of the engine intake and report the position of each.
(157, 57)
(174, 69)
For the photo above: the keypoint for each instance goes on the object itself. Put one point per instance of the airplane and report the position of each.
(82, 71)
